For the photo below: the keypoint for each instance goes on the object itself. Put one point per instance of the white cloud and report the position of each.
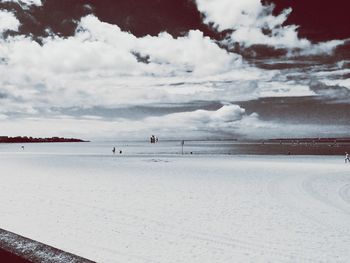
(25, 2)
(254, 24)
(334, 73)
(3, 117)
(8, 21)
(286, 89)
(226, 115)
(97, 67)
(227, 14)
(248, 19)
(193, 52)
(340, 82)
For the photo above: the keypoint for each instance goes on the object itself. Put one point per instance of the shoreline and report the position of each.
(171, 149)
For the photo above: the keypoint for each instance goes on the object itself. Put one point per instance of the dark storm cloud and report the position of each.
(3, 95)
(340, 52)
(260, 51)
(307, 69)
(335, 92)
(300, 110)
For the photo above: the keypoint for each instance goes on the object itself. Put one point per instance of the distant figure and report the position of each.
(156, 139)
(153, 139)
(113, 151)
(120, 152)
(22, 147)
(347, 158)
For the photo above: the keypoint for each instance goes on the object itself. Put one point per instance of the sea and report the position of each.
(177, 147)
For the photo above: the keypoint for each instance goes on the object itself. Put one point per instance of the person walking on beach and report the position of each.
(113, 150)
(347, 157)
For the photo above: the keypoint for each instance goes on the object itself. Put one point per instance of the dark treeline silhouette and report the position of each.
(310, 140)
(20, 139)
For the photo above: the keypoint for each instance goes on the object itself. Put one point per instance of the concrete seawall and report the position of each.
(18, 249)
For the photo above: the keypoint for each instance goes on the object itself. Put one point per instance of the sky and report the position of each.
(193, 69)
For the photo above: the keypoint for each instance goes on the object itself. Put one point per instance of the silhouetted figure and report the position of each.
(347, 157)
(113, 150)
(153, 139)
(120, 152)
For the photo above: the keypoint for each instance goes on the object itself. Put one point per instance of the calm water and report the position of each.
(174, 147)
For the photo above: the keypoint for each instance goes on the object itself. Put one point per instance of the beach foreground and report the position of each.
(180, 208)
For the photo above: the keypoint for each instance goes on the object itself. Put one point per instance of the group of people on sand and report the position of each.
(114, 151)
(154, 139)
(347, 158)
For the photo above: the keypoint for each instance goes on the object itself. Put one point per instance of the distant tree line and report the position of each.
(25, 139)
(311, 140)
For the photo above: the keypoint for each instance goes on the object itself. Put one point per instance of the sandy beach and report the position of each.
(173, 208)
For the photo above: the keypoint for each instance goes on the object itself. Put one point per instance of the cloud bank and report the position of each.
(93, 82)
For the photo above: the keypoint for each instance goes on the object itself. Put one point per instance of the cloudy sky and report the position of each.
(245, 69)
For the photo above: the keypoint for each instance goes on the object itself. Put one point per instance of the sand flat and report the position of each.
(181, 209)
